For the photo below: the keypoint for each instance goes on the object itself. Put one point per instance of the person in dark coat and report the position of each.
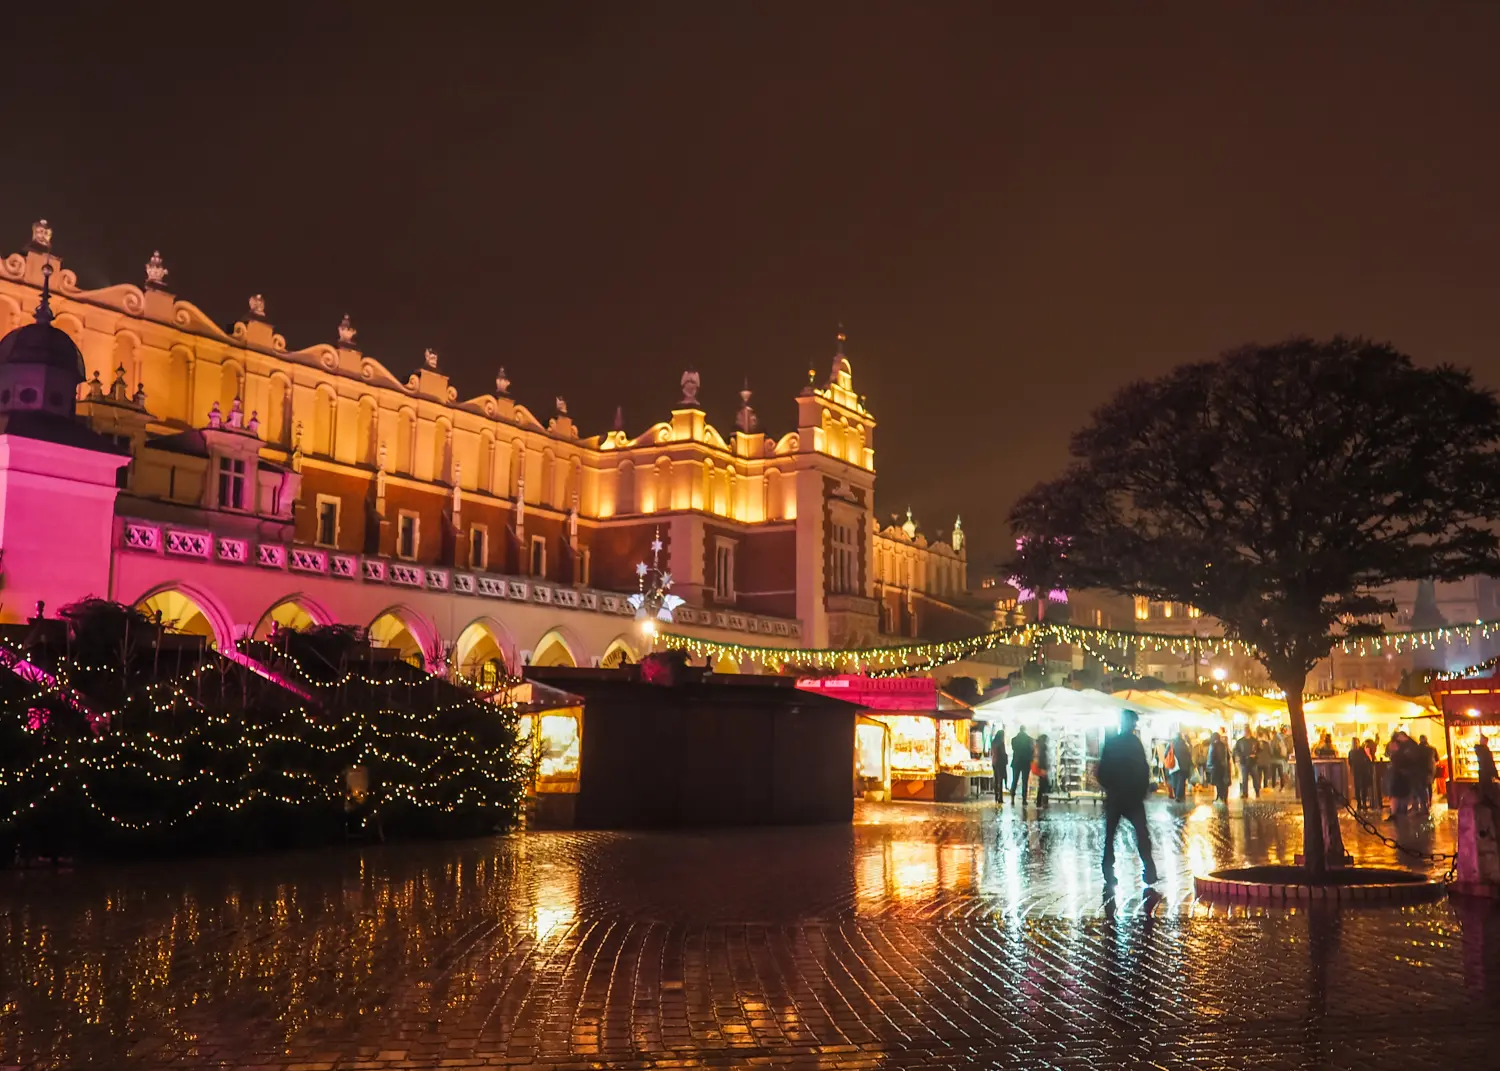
(999, 760)
(1021, 754)
(1218, 767)
(1043, 769)
(1125, 776)
(1362, 773)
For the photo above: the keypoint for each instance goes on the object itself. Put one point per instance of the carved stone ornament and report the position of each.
(41, 234)
(502, 381)
(562, 406)
(690, 387)
(215, 416)
(429, 356)
(346, 332)
(258, 306)
(156, 272)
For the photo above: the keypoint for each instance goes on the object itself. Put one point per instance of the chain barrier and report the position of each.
(1434, 858)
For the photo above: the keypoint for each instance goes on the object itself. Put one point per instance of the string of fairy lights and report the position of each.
(909, 658)
(172, 755)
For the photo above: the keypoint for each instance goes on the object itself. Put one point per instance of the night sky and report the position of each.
(1012, 215)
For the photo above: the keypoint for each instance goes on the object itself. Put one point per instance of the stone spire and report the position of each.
(44, 306)
(346, 333)
(745, 420)
(156, 272)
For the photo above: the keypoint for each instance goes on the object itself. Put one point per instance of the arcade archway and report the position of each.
(479, 655)
(398, 630)
(553, 650)
(294, 613)
(186, 612)
(619, 653)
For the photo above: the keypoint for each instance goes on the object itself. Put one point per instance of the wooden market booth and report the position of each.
(911, 738)
(1471, 710)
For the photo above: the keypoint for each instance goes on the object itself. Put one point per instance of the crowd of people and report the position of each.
(1414, 768)
(1260, 760)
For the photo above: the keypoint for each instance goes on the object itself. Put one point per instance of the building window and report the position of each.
(231, 483)
(538, 556)
(479, 546)
(1142, 608)
(584, 567)
(845, 572)
(1166, 609)
(407, 536)
(1193, 611)
(328, 521)
(724, 570)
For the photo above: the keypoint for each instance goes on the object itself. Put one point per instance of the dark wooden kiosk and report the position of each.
(691, 748)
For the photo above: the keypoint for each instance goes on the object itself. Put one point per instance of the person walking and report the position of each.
(999, 760)
(1021, 754)
(1218, 767)
(1429, 756)
(1125, 776)
(1179, 756)
(1244, 756)
(1265, 762)
(1043, 763)
(1361, 772)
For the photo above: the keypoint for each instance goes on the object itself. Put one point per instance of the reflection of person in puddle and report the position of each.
(1125, 776)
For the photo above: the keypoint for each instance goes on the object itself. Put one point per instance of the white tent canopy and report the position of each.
(1054, 703)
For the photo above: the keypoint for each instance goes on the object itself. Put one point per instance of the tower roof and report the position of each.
(41, 343)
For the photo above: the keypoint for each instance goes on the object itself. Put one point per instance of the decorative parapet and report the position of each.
(147, 538)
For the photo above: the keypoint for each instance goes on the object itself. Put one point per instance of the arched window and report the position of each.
(406, 441)
(367, 432)
(324, 402)
(625, 488)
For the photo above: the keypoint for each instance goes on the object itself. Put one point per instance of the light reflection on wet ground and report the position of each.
(922, 934)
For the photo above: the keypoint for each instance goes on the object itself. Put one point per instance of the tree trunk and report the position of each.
(1307, 786)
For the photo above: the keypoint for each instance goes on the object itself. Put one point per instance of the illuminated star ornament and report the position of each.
(654, 601)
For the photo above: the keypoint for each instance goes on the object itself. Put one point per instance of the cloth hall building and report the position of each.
(234, 484)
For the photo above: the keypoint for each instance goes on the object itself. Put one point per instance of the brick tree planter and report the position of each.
(1288, 884)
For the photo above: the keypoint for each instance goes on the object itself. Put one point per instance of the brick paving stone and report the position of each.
(922, 936)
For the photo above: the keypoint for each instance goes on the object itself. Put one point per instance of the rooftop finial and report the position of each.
(690, 384)
(745, 419)
(41, 236)
(258, 306)
(841, 339)
(346, 332)
(502, 382)
(619, 418)
(156, 272)
(430, 358)
(44, 306)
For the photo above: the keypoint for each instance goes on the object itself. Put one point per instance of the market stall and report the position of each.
(551, 733)
(912, 741)
(1471, 713)
(1076, 723)
(1368, 713)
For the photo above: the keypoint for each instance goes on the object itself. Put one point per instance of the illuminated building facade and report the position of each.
(239, 484)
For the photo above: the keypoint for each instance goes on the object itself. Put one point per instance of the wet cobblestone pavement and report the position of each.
(923, 936)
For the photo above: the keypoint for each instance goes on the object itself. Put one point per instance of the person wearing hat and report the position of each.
(1125, 776)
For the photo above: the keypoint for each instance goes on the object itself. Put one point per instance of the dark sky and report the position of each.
(1013, 215)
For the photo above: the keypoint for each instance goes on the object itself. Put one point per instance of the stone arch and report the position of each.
(325, 404)
(295, 612)
(515, 486)
(619, 652)
(406, 441)
(625, 488)
(484, 651)
(126, 355)
(231, 386)
(555, 648)
(367, 431)
(189, 610)
(548, 497)
(771, 508)
(725, 664)
(442, 450)
(484, 474)
(407, 632)
(277, 426)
